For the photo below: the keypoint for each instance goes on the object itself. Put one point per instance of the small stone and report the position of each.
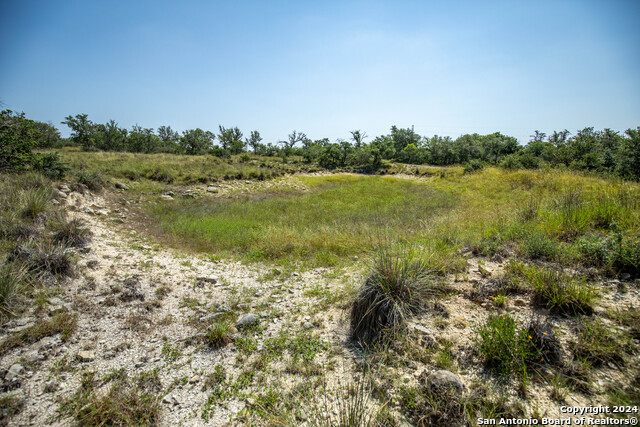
(307, 325)
(13, 372)
(212, 189)
(51, 386)
(89, 211)
(59, 194)
(247, 320)
(422, 329)
(443, 379)
(296, 274)
(194, 379)
(213, 280)
(166, 197)
(519, 302)
(121, 186)
(64, 188)
(86, 356)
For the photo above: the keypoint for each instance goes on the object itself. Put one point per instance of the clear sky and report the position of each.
(326, 67)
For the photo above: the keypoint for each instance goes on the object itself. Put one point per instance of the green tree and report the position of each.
(254, 140)
(47, 135)
(629, 155)
(17, 138)
(196, 141)
(169, 139)
(82, 130)
(142, 140)
(228, 136)
(358, 138)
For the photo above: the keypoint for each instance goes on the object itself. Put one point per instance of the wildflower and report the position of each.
(544, 333)
(530, 337)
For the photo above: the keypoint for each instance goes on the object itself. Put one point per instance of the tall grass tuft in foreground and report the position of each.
(398, 286)
(70, 232)
(12, 281)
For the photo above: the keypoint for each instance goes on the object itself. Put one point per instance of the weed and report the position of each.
(218, 376)
(349, 408)
(93, 180)
(43, 258)
(171, 352)
(10, 406)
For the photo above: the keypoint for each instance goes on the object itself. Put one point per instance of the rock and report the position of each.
(89, 211)
(86, 356)
(166, 197)
(519, 302)
(51, 386)
(59, 194)
(422, 329)
(445, 380)
(13, 372)
(247, 320)
(121, 186)
(194, 379)
(64, 188)
(212, 280)
(296, 274)
(212, 189)
(307, 325)
(210, 317)
(625, 276)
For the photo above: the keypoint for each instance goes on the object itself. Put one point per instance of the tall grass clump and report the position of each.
(12, 281)
(70, 232)
(398, 286)
(598, 344)
(559, 293)
(35, 201)
(504, 346)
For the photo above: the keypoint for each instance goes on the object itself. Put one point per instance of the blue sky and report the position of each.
(326, 67)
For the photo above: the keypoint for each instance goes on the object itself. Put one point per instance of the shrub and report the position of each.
(49, 164)
(511, 162)
(619, 252)
(397, 287)
(473, 165)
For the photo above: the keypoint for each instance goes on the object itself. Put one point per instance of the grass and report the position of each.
(128, 401)
(70, 232)
(340, 216)
(63, 323)
(597, 344)
(12, 283)
(148, 169)
(398, 286)
(504, 346)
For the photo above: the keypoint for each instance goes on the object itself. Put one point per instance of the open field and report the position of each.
(429, 297)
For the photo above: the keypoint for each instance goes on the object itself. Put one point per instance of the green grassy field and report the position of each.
(546, 215)
(338, 216)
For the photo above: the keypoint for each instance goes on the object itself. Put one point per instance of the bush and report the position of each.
(49, 164)
(539, 246)
(473, 165)
(511, 162)
(398, 287)
(219, 334)
(620, 252)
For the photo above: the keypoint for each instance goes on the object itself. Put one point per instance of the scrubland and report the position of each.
(152, 289)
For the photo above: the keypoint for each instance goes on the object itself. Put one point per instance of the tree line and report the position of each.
(607, 151)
